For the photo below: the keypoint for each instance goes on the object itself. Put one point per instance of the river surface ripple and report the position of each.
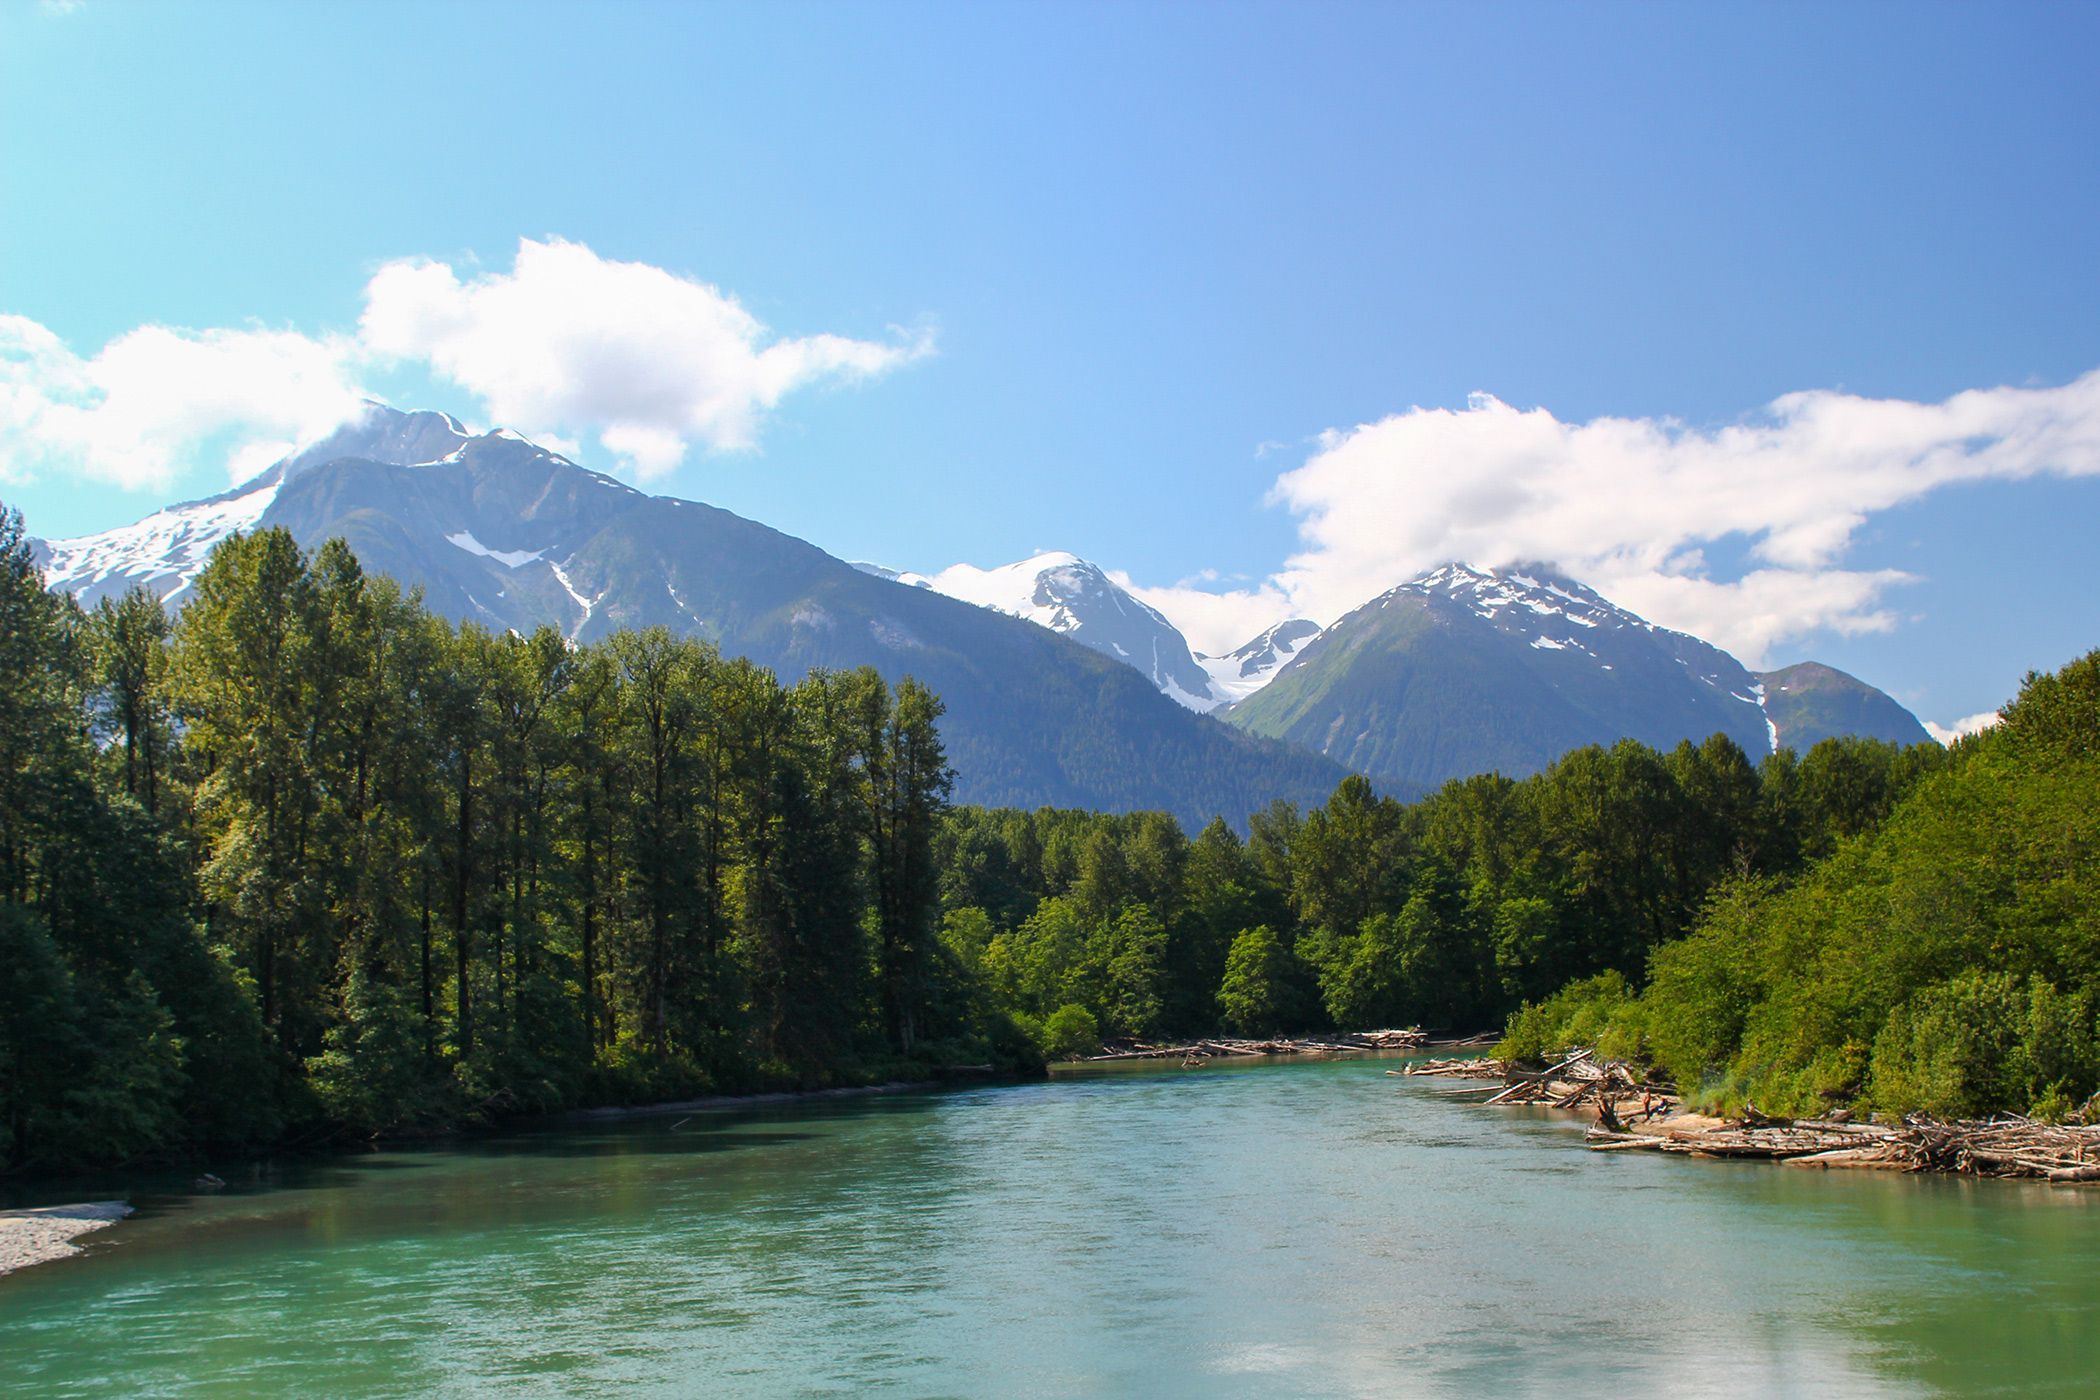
(1292, 1229)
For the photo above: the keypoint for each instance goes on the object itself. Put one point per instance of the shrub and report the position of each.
(1069, 1032)
(1598, 1011)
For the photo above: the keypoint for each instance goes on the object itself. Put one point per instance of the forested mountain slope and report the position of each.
(1811, 702)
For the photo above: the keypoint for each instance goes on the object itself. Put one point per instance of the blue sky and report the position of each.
(1115, 270)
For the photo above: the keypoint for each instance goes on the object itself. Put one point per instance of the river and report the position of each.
(1299, 1229)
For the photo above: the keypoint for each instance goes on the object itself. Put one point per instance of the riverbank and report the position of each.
(616, 1113)
(1223, 1047)
(1629, 1115)
(30, 1237)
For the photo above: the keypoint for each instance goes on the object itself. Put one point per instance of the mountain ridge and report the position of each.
(509, 535)
(1398, 687)
(1455, 671)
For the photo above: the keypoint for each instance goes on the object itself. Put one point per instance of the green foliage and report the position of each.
(1069, 1032)
(1597, 1011)
(375, 1074)
(1264, 986)
(1982, 1041)
(1128, 959)
(1944, 956)
(446, 875)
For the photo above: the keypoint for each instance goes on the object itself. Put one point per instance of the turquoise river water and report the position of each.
(1290, 1229)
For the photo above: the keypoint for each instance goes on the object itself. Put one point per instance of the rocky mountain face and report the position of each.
(1812, 702)
(1464, 670)
(503, 533)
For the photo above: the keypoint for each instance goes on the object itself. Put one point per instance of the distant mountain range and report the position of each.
(498, 531)
(1464, 670)
(1078, 599)
(1458, 671)
(1062, 686)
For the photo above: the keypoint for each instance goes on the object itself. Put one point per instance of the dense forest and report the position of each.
(1449, 912)
(1946, 959)
(305, 860)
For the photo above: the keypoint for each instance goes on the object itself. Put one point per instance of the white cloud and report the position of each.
(1214, 621)
(138, 412)
(567, 341)
(1972, 724)
(564, 345)
(1630, 505)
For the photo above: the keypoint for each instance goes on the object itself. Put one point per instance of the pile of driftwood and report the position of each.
(1635, 1113)
(1456, 1069)
(2002, 1146)
(1618, 1092)
(1223, 1047)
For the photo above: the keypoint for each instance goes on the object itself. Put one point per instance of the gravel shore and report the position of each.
(38, 1236)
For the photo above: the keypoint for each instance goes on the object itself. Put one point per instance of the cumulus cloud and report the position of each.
(564, 345)
(138, 412)
(1632, 505)
(567, 341)
(1972, 724)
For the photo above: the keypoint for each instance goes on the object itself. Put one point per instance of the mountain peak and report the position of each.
(167, 550)
(1076, 598)
(1809, 702)
(1463, 669)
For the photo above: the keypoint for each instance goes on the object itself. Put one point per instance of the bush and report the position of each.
(1599, 1011)
(1069, 1032)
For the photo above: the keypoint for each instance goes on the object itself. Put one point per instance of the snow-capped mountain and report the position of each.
(1248, 667)
(1466, 670)
(1077, 599)
(167, 549)
(1458, 671)
(498, 531)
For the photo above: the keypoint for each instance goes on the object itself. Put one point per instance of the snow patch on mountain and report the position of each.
(1041, 589)
(588, 605)
(168, 549)
(1542, 607)
(909, 580)
(508, 558)
(164, 552)
(1771, 729)
(1247, 668)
